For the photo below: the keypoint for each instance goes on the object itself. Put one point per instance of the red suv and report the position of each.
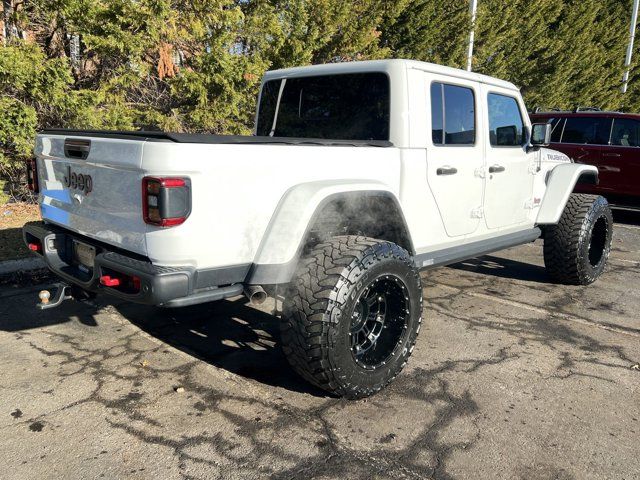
(608, 140)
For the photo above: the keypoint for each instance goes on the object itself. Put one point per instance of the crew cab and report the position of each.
(358, 176)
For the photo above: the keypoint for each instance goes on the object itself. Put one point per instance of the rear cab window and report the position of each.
(353, 106)
(453, 118)
(506, 127)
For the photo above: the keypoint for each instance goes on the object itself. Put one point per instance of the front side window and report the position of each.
(339, 107)
(506, 128)
(587, 130)
(453, 117)
(625, 132)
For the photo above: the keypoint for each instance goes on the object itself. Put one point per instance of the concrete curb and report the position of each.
(21, 265)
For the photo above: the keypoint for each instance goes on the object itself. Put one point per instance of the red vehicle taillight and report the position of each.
(32, 176)
(109, 281)
(166, 202)
(125, 283)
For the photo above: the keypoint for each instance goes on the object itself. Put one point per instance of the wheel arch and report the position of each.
(561, 182)
(309, 210)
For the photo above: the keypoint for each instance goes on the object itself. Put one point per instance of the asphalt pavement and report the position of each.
(512, 377)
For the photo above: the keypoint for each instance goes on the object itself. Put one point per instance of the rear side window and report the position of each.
(583, 130)
(339, 107)
(557, 125)
(505, 121)
(268, 102)
(453, 117)
(625, 132)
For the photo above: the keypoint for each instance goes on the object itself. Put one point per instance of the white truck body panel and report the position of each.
(236, 194)
(252, 203)
(556, 193)
(111, 213)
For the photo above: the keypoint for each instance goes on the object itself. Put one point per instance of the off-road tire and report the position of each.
(577, 248)
(320, 305)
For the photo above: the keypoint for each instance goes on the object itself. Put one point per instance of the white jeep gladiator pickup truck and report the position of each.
(359, 175)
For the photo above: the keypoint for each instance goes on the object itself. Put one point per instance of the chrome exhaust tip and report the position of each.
(255, 294)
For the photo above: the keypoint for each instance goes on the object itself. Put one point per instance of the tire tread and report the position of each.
(305, 325)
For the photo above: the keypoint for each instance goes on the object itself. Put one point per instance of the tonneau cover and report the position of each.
(158, 136)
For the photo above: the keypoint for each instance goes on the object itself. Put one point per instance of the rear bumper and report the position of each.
(155, 285)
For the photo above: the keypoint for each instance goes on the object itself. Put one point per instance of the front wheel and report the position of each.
(577, 248)
(352, 315)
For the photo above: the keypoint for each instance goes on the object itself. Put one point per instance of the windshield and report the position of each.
(341, 107)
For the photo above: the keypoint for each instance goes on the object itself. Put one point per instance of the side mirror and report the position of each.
(506, 135)
(540, 134)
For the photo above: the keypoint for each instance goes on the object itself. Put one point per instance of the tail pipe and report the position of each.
(255, 294)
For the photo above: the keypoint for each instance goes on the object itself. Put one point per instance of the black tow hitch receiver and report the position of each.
(63, 291)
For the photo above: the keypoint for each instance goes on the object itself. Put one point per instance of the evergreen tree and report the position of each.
(323, 31)
(195, 65)
(427, 30)
(592, 37)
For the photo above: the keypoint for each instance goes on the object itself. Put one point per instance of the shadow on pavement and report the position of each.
(227, 334)
(504, 268)
(18, 309)
(627, 217)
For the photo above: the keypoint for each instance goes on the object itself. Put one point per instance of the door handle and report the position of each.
(496, 169)
(610, 154)
(446, 171)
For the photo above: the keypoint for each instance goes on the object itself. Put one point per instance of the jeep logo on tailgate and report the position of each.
(78, 181)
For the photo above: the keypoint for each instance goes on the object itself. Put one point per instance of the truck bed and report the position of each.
(159, 136)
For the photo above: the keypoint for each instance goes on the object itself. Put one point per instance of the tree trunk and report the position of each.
(9, 31)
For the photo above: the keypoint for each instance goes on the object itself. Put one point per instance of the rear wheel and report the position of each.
(577, 248)
(352, 315)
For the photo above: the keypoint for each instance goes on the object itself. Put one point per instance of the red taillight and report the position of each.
(35, 247)
(32, 176)
(109, 281)
(166, 202)
(124, 283)
(173, 182)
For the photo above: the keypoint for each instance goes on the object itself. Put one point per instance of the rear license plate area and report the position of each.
(83, 255)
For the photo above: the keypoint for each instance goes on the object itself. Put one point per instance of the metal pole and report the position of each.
(632, 36)
(473, 7)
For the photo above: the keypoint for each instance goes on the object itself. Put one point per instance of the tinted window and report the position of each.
(341, 107)
(452, 112)
(591, 130)
(505, 121)
(436, 113)
(557, 125)
(268, 101)
(626, 132)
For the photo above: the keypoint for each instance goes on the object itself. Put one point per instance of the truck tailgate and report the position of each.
(92, 186)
